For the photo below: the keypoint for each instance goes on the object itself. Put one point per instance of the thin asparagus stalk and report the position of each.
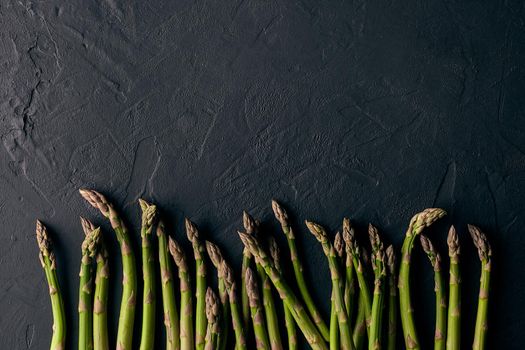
(335, 341)
(85, 291)
(454, 297)
(349, 286)
(48, 261)
(345, 334)
(300, 315)
(187, 337)
(392, 298)
(379, 266)
(249, 227)
(201, 286)
(439, 288)
(282, 217)
(147, 339)
(417, 224)
(485, 253)
(237, 321)
(129, 279)
(359, 332)
(100, 305)
(217, 258)
(291, 329)
(256, 310)
(169, 305)
(213, 316)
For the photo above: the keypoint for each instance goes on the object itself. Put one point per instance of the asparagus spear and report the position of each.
(349, 286)
(291, 330)
(345, 334)
(378, 263)
(48, 261)
(392, 298)
(129, 279)
(334, 326)
(169, 305)
(249, 227)
(200, 295)
(441, 301)
(485, 253)
(282, 217)
(100, 305)
(85, 300)
(149, 212)
(454, 308)
(256, 310)
(417, 224)
(300, 315)
(359, 331)
(213, 315)
(187, 340)
(237, 321)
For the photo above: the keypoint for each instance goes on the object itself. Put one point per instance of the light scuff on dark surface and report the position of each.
(369, 109)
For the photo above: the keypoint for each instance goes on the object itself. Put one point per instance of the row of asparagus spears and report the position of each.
(199, 314)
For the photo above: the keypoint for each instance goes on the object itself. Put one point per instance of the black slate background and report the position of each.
(370, 109)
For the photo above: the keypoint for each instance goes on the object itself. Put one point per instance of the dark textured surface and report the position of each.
(371, 109)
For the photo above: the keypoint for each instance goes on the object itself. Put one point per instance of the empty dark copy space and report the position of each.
(368, 109)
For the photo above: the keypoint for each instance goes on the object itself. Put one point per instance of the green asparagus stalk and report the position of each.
(201, 286)
(291, 329)
(100, 305)
(85, 291)
(439, 288)
(485, 253)
(282, 217)
(187, 337)
(300, 315)
(256, 310)
(335, 341)
(392, 298)
(454, 296)
(379, 266)
(48, 261)
(417, 224)
(129, 280)
(147, 339)
(250, 228)
(236, 312)
(345, 334)
(169, 305)
(349, 286)
(213, 316)
(359, 331)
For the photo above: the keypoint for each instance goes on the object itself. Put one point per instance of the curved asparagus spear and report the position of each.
(48, 261)
(392, 298)
(85, 300)
(345, 334)
(454, 296)
(282, 217)
(149, 212)
(129, 275)
(439, 288)
(250, 228)
(201, 286)
(100, 305)
(485, 253)
(300, 315)
(237, 321)
(379, 266)
(256, 310)
(169, 305)
(213, 316)
(417, 224)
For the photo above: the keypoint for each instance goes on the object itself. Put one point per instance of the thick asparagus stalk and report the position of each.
(100, 306)
(187, 337)
(392, 298)
(439, 288)
(201, 286)
(236, 312)
(147, 339)
(85, 291)
(485, 253)
(417, 224)
(300, 315)
(282, 217)
(129, 279)
(454, 296)
(213, 316)
(256, 310)
(169, 305)
(48, 261)
(345, 334)
(250, 228)
(379, 266)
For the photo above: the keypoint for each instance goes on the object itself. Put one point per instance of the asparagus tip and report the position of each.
(214, 253)
(274, 251)
(249, 223)
(424, 219)
(339, 244)
(96, 200)
(251, 286)
(375, 240)
(91, 242)
(149, 212)
(431, 252)
(212, 306)
(191, 230)
(176, 252)
(480, 241)
(453, 242)
(391, 259)
(316, 230)
(87, 226)
(280, 213)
